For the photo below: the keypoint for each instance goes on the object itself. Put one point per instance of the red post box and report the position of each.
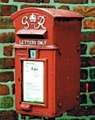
(47, 61)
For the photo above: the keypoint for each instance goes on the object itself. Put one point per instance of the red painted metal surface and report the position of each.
(54, 38)
(54, 13)
(31, 32)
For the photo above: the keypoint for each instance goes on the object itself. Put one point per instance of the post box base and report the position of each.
(41, 114)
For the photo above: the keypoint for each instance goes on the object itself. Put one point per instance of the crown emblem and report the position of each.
(32, 18)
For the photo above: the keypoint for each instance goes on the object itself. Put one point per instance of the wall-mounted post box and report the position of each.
(47, 61)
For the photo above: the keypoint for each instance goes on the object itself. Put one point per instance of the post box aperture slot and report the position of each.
(33, 82)
(35, 34)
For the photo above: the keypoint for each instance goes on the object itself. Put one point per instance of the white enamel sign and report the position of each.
(33, 81)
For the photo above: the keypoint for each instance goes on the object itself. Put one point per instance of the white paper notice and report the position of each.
(33, 81)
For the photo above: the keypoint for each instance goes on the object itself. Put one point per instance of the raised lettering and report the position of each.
(40, 23)
(25, 22)
(32, 42)
(42, 42)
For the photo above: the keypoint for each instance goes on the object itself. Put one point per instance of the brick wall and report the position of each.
(86, 111)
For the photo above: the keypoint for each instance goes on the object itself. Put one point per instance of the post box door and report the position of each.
(34, 81)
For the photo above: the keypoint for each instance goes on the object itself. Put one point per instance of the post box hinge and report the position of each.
(18, 79)
(59, 52)
(78, 49)
(78, 96)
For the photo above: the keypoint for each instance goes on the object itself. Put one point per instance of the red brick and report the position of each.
(88, 36)
(19, 0)
(8, 115)
(6, 102)
(44, 6)
(85, 62)
(35, 1)
(46, 1)
(83, 87)
(92, 50)
(85, 10)
(7, 10)
(89, 24)
(5, 1)
(10, 37)
(72, 1)
(3, 37)
(92, 97)
(7, 51)
(4, 90)
(91, 61)
(6, 76)
(83, 99)
(93, 1)
(6, 23)
(83, 48)
(7, 37)
(83, 74)
(7, 63)
(64, 7)
(91, 87)
(2, 63)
